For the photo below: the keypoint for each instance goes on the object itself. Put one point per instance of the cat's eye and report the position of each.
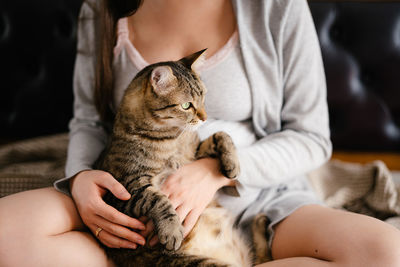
(186, 105)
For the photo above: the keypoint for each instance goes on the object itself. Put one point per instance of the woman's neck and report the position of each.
(175, 28)
(181, 15)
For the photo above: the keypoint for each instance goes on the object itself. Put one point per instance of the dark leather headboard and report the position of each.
(37, 53)
(360, 42)
(361, 50)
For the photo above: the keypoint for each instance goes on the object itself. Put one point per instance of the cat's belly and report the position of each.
(214, 236)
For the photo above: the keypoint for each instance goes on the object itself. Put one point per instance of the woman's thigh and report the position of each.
(337, 236)
(43, 227)
(40, 212)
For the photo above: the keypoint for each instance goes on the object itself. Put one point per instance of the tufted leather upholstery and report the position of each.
(37, 51)
(360, 43)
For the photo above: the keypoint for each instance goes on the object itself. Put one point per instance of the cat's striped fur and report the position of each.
(152, 137)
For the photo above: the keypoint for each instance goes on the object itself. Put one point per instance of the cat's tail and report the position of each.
(159, 258)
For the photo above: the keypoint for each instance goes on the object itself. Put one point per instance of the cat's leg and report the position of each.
(260, 238)
(220, 145)
(149, 201)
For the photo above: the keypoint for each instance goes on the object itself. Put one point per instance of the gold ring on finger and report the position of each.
(98, 230)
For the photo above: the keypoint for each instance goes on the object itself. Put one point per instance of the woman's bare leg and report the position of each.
(319, 236)
(42, 228)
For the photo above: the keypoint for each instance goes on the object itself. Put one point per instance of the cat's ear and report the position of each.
(162, 79)
(195, 61)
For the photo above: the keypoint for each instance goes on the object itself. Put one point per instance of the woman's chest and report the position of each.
(167, 36)
(228, 94)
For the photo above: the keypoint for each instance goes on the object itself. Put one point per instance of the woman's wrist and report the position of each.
(214, 167)
(227, 182)
(73, 178)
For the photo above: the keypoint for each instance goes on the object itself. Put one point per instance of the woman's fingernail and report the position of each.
(141, 242)
(133, 246)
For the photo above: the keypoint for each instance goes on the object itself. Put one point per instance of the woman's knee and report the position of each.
(378, 247)
(32, 217)
(38, 212)
(366, 241)
(35, 225)
(346, 238)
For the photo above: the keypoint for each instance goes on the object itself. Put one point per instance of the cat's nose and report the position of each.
(201, 113)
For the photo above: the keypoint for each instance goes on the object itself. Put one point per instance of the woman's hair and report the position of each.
(110, 12)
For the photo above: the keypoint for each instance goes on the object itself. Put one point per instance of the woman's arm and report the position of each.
(87, 139)
(303, 142)
(87, 135)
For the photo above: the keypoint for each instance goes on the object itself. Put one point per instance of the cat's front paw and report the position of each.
(230, 166)
(170, 233)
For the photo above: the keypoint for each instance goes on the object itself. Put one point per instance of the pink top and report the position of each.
(140, 62)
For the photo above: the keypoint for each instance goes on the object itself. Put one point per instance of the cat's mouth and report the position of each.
(194, 125)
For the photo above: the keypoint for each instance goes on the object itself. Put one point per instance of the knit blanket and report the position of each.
(367, 189)
(32, 163)
(363, 188)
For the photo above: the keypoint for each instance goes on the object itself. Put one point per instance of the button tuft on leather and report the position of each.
(396, 34)
(4, 26)
(34, 73)
(391, 130)
(64, 25)
(337, 34)
(367, 79)
(361, 57)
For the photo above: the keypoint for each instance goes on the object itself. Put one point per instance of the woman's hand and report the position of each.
(191, 189)
(87, 189)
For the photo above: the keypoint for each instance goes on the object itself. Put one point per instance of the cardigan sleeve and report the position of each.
(87, 135)
(303, 141)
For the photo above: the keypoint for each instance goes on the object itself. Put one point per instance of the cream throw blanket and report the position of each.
(368, 189)
(363, 188)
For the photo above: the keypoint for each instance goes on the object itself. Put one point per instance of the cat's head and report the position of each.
(168, 95)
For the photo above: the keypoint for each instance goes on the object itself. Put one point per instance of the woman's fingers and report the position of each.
(111, 240)
(190, 221)
(143, 219)
(109, 182)
(121, 231)
(175, 200)
(109, 225)
(182, 212)
(149, 229)
(154, 241)
(113, 215)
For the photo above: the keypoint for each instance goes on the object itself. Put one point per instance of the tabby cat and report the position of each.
(153, 135)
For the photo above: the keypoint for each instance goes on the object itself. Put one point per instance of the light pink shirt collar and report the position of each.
(139, 62)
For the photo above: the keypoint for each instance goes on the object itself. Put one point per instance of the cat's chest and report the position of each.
(159, 154)
(181, 155)
(184, 151)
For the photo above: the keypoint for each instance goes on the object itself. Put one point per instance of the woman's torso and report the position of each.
(168, 30)
(228, 100)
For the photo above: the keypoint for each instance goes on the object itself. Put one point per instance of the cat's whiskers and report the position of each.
(183, 130)
(194, 127)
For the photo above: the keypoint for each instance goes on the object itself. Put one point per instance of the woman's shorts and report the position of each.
(277, 202)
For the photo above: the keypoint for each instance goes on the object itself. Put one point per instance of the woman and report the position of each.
(266, 88)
